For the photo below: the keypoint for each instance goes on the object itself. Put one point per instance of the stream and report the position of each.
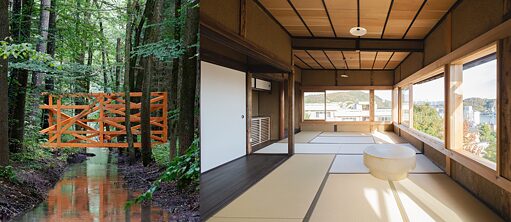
(92, 191)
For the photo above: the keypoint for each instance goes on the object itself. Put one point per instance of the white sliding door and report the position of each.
(223, 113)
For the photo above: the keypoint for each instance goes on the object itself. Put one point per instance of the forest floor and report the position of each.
(183, 205)
(33, 179)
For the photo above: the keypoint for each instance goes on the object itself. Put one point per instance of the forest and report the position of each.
(65, 47)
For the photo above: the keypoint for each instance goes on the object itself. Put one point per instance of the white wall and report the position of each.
(222, 114)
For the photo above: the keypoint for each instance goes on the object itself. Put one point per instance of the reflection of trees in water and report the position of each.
(93, 191)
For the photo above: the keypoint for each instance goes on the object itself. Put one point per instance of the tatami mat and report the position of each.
(345, 134)
(356, 197)
(436, 197)
(323, 148)
(343, 139)
(301, 148)
(359, 148)
(349, 164)
(240, 219)
(355, 164)
(387, 138)
(303, 137)
(286, 193)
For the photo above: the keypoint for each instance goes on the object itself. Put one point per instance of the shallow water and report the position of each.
(92, 191)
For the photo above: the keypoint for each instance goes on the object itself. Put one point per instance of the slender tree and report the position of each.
(4, 106)
(22, 10)
(152, 15)
(118, 61)
(127, 90)
(188, 78)
(173, 85)
(42, 45)
(49, 81)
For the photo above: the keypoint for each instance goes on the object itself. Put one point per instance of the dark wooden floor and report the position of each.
(220, 186)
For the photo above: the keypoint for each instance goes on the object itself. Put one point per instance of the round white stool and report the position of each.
(389, 161)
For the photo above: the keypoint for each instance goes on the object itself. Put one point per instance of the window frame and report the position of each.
(371, 90)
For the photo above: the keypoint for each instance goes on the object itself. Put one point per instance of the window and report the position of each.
(314, 105)
(405, 106)
(479, 107)
(347, 105)
(428, 106)
(382, 105)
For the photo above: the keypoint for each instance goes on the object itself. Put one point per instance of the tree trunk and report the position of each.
(49, 81)
(173, 89)
(18, 84)
(129, 136)
(118, 65)
(4, 106)
(37, 77)
(188, 78)
(151, 13)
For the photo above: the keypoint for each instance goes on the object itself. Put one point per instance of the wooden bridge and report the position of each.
(100, 123)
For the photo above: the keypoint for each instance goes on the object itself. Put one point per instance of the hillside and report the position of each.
(355, 96)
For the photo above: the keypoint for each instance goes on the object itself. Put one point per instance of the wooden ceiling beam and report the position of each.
(352, 44)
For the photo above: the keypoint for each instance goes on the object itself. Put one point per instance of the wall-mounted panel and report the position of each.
(264, 32)
(411, 64)
(474, 17)
(438, 43)
(226, 14)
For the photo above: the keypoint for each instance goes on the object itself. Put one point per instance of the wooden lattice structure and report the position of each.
(100, 122)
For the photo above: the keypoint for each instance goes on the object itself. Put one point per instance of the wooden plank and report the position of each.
(504, 107)
(243, 18)
(453, 110)
(352, 44)
(59, 118)
(101, 120)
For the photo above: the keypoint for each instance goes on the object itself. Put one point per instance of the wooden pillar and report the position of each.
(504, 107)
(291, 112)
(410, 105)
(395, 105)
(453, 78)
(282, 110)
(249, 111)
(371, 105)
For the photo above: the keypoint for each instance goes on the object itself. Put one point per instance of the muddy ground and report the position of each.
(32, 184)
(183, 204)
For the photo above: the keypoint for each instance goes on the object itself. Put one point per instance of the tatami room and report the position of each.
(355, 110)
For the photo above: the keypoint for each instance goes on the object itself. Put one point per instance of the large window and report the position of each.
(479, 107)
(347, 105)
(428, 106)
(382, 105)
(314, 105)
(405, 106)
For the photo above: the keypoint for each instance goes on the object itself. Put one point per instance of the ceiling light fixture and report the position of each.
(344, 76)
(358, 31)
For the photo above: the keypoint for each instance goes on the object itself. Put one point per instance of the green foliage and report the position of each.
(8, 173)
(427, 120)
(161, 154)
(486, 134)
(184, 170)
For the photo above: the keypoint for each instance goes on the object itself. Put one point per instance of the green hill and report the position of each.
(355, 96)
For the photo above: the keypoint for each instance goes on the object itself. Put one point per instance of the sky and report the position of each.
(479, 81)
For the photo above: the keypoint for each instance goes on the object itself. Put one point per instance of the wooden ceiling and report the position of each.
(324, 59)
(385, 19)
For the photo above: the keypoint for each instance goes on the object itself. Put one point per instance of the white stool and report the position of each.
(389, 161)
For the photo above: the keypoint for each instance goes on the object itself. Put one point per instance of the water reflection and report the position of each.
(92, 191)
